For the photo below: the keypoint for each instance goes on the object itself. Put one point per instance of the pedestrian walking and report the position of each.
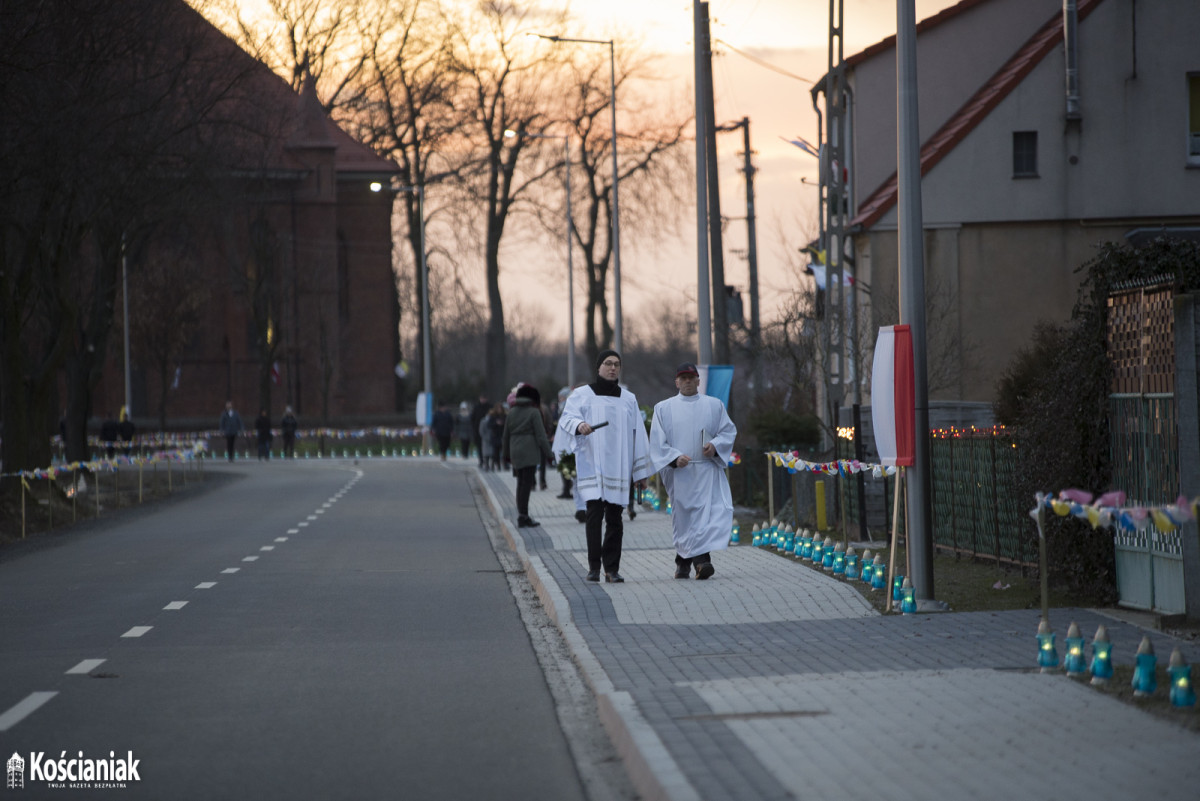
(495, 433)
(230, 425)
(478, 415)
(525, 445)
(442, 426)
(289, 425)
(611, 453)
(463, 428)
(262, 427)
(691, 441)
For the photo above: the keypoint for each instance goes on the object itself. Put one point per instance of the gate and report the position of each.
(1145, 451)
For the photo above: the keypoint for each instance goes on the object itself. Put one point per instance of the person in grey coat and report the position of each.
(525, 444)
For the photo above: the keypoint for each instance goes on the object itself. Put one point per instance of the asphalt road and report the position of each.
(307, 630)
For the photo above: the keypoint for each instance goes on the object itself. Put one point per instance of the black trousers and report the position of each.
(230, 441)
(700, 559)
(604, 550)
(525, 478)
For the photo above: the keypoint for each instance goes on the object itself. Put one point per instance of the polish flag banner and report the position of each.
(893, 412)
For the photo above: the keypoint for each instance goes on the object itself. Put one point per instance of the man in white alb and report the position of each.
(691, 440)
(611, 452)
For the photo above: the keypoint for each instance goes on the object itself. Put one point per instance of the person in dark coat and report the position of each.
(524, 443)
(478, 415)
(289, 426)
(230, 426)
(109, 435)
(126, 429)
(463, 429)
(442, 426)
(262, 425)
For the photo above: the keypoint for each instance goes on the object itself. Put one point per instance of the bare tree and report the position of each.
(110, 112)
(504, 86)
(165, 302)
(649, 165)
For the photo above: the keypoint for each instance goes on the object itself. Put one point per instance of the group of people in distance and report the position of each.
(230, 426)
(689, 444)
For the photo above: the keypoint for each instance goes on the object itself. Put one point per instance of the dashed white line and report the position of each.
(249, 558)
(267, 548)
(207, 585)
(281, 539)
(310, 517)
(303, 524)
(174, 605)
(231, 570)
(137, 631)
(293, 531)
(86, 666)
(24, 708)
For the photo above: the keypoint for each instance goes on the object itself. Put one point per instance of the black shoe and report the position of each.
(543, 486)
(632, 513)
(527, 522)
(593, 575)
(566, 496)
(705, 571)
(682, 571)
(613, 578)
(581, 516)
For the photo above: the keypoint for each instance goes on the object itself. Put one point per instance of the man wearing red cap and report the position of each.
(691, 440)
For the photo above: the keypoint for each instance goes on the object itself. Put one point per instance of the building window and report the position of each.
(1193, 143)
(1025, 154)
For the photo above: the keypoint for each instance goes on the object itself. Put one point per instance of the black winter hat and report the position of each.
(529, 391)
(604, 354)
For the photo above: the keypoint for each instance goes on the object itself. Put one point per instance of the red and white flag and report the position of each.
(893, 399)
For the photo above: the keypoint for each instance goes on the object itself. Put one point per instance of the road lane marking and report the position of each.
(303, 524)
(207, 585)
(137, 631)
(267, 548)
(86, 666)
(310, 517)
(281, 539)
(249, 558)
(231, 570)
(174, 605)
(24, 708)
(293, 531)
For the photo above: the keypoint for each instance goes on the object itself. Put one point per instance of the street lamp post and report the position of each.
(616, 206)
(426, 361)
(570, 231)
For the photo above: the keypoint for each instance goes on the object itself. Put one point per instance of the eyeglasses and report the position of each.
(610, 364)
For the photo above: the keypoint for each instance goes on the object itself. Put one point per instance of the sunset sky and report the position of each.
(788, 34)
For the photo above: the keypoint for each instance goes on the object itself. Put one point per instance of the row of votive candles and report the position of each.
(1145, 678)
(835, 558)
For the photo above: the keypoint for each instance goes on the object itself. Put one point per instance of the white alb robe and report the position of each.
(609, 459)
(702, 506)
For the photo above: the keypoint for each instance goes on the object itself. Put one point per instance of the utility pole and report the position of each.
(703, 331)
(720, 306)
(752, 257)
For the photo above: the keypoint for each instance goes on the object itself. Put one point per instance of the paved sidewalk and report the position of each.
(774, 681)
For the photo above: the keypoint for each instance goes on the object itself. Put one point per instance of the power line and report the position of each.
(762, 63)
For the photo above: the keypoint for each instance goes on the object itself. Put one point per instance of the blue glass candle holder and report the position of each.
(735, 535)
(897, 583)
(818, 550)
(826, 555)
(1073, 660)
(806, 545)
(908, 597)
(756, 540)
(839, 560)
(1182, 692)
(878, 574)
(788, 541)
(1047, 651)
(1144, 681)
(868, 566)
(852, 571)
(1102, 666)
